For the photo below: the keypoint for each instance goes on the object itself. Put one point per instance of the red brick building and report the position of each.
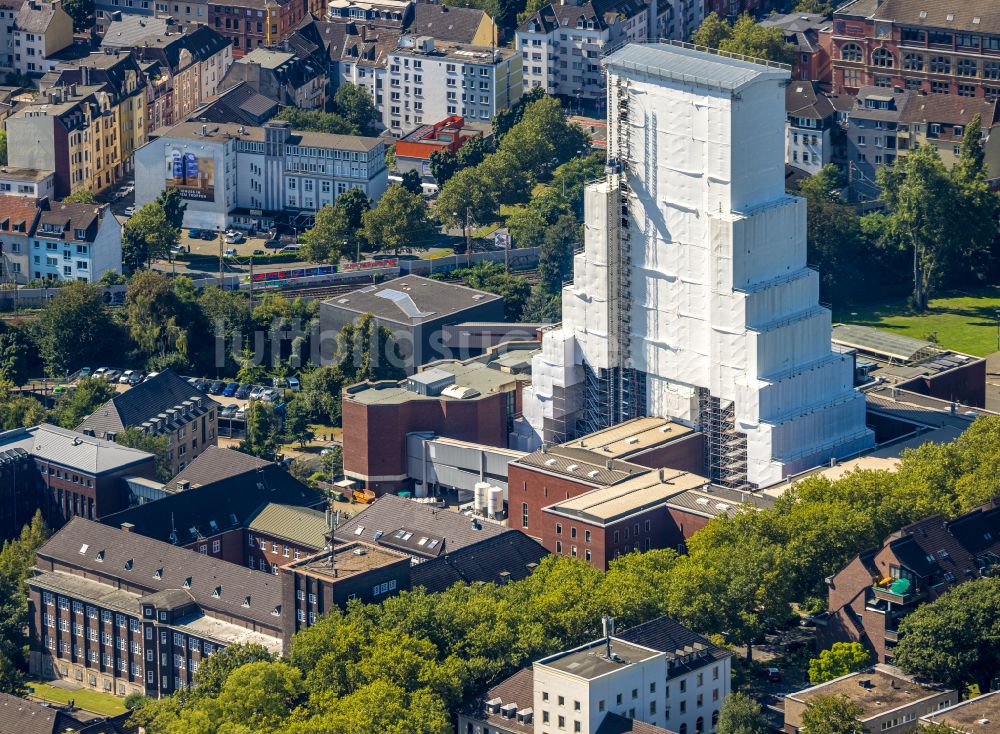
(871, 595)
(632, 487)
(73, 475)
(475, 400)
(251, 24)
(934, 48)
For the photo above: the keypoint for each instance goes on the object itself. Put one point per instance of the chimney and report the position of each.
(608, 623)
(128, 527)
(204, 131)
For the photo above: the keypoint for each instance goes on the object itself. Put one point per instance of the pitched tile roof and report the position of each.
(300, 525)
(445, 23)
(35, 17)
(686, 649)
(16, 211)
(215, 464)
(27, 717)
(72, 219)
(802, 100)
(948, 109)
(156, 566)
(72, 449)
(932, 13)
(205, 511)
(240, 104)
(518, 689)
(145, 401)
(511, 556)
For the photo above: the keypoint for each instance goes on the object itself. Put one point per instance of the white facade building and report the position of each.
(75, 242)
(561, 44)
(231, 175)
(809, 128)
(691, 299)
(428, 81)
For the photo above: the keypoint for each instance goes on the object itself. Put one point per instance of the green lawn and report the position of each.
(99, 703)
(964, 322)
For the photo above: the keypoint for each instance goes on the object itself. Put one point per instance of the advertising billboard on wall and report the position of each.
(193, 176)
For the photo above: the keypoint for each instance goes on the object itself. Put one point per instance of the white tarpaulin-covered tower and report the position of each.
(691, 299)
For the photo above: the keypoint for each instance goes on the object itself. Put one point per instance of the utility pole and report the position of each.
(222, 282)
(468, 237)
(251, 282)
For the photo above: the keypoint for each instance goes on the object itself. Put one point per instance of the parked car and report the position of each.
(217, 387)
(273, 244)
(234, 237)
(290, 248)
(203, 385)
(230, 391)
(774, 675)
(229, 411)
(99, 372)
(255, 392)
(259, 252)
(126, 376)
(293, 384)
(112, 375)
(83, 372)
(243, 391)
(194, 233)
(240, 414)
(271, 395)
(207, 234)
(328, 449)
(230, 252)
(129, 211)
(136, 378)
(151, 375)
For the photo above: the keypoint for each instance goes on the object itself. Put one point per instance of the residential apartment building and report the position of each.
(70, 475)
(808, 33)
(453, 25)
(58, 241)
(236, 175)
(286, 78)
(28, 182)
(934, 48)
(186, 12)
(359, 54)
(117, 612)
(182, 67)
(250, 24)
(394, 13)
(872, 137)
(164, 405)
(428, 81)
(888, 700)
(8, 12)
(873, 593)
(561, 45)
(810, 128)
(75, 242)
(941, 120)
(654, 678)
(40, 30)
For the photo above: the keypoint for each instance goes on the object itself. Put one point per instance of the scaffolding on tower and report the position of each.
(725, 446)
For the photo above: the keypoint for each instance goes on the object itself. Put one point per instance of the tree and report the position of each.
(3, 147)
(297, 423)
(832, 715)
(75, 329)
(263, 427)
(752, 39)
(354, 203)
(215, 669)
(444, 165)
(355, 105)
(90, 394)
(148, 235)
(814, 6)
(467, 198)
(555, 261)
(327, 238)
(542, 307)
(82, 13)
(839, 660)
(412, 182)
(740, 714)
(173, 207)
(506, 119)
(134, 700)
(955, 639)
(14, 348)
(317, 121)
(510, 181)
(320, 394)
(155, 314)
(399, 219)
(920, 200)
(81, 196)
(259, 696)
(712, 31)
(527, 227)
(16, 560)
(157, 445)
(571, 177)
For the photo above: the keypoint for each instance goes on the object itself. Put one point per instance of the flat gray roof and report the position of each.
(694, 65)
(591, 661)
(411, 300)
(883, 343)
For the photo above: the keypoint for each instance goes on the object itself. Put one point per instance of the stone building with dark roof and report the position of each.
(285, 77)
(30, 717)
(164, 405)
(107, 602)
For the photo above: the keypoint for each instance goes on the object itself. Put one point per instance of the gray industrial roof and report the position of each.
(72, 449)
(882, 343)
(411, 299)
(688, 65)
(300, 525)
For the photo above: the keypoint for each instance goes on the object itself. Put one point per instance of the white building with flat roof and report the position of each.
(233, 175)
(691, 299)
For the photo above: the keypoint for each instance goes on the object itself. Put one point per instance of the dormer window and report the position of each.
(100, 556)
(128, 564)
(80, 234)
(217, 593)
(158, 574)
(276, 612)
(187, 583)
(246, 601)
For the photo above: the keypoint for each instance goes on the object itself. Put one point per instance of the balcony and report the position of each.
(892, 635)
(898, 592)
